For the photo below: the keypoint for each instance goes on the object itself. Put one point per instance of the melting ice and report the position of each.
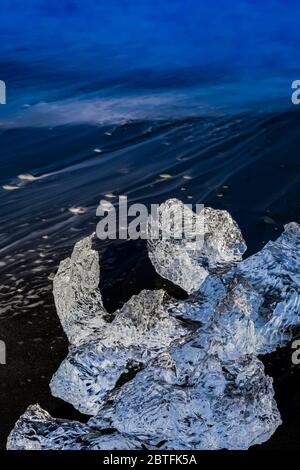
(149, 380)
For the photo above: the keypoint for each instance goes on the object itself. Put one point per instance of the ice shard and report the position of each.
(162, 373)
(76, 293)
(184, 247)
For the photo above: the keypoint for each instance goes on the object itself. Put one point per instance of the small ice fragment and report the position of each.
(106, 205)
(10, 187)
(187, 177)
(194, 397)
(76, 294)
(77, 210)
(26, 177)
(97, 150)
(165, 176)
(274, 273)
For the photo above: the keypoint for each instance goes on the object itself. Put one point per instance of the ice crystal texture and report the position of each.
(184, 247)
(162, 373)
(139, 331)
(37, 430)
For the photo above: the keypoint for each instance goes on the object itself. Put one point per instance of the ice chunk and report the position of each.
(139, 332)
(196, 398)
(104, 350)
(76, 293)
(169, 374)
(258, 300)
(188, 398)
(37, 430)
(274, 273)
(184, 246)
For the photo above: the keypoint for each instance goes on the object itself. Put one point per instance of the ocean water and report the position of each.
(189, 89)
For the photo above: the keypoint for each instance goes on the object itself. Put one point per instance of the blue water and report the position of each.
(186, 57)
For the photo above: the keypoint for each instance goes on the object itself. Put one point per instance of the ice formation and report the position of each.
(37, 430)
(160, 373)
(139, 332)
(207, 242)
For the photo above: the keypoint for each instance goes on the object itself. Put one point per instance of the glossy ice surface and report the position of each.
(145, 375)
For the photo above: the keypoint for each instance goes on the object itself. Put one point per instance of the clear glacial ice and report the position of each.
(211, 242)
(162, 373)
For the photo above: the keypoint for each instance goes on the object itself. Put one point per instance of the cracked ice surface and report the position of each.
(274, 273)
(191, 398)
(150, 379)
(37, 430)
(258, 299)
(139, 331)
(211, 241)
(104, 351)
